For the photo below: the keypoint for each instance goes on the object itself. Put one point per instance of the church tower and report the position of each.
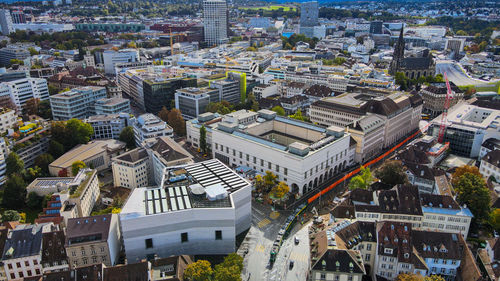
(399, 54)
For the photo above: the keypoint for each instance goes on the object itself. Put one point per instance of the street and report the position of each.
(455, 74)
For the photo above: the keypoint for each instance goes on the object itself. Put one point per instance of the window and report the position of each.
(83, 252)
(367, 257)
(26, 263)
(149, 244)
(218, 235)
(94, 259)
(184, 237)
(103, 258)
(248, 157)
(29, 272)
(369, 247)
(85, 260)
(269, 165)
(285, 171)
(323, 276)
(37, 271)
(10, 266)
(73, 253)
(12, 276)
(35, 262)
(18, 264)
(21, 274)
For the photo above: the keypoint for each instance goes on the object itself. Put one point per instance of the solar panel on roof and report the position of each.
(177, 191)
(164, 204)
(163, 193)
(180, 203)
(173, 204)
(184, 190)
(150, 207)
(158, 194)
(188, 203)
(157, 206)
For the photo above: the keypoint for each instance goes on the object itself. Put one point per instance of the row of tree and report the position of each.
(229, 270)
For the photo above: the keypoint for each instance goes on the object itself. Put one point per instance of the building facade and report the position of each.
(132, 169)
(22, 90)
(149, 126)
(77, 103)
(215, 22)
(112, 106)
(193, 101)
(109, 126)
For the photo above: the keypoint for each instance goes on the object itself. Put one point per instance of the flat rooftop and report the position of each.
(185, 188)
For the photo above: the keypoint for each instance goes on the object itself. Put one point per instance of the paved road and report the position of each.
(456, 74)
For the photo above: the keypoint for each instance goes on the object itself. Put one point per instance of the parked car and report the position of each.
(291, 265)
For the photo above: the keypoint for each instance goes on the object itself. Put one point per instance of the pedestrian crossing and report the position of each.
(260, 248)
(263, 223)
(296, 256)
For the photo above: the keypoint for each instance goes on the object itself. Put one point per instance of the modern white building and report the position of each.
(22, 90)
(215, 22)
(109, 126)
(132, 169)
(107, 106)
(150, 126)
(77, 103)
(6, 22)
(301, 154)
(193, 101)
(198, 209)
(468, 126)
(111, 58)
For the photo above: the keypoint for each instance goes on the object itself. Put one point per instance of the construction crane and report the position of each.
(444, 116)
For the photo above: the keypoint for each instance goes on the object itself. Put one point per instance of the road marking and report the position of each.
(263, 223)
(260, 248)
(274, 215)
(298, 257)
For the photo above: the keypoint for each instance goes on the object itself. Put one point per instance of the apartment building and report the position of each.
(336, 264)
(209, 205)
(32, 148)
(112, 106)
(194, 101)
(109, 126)
(132, 169)
(84, 195)
(293, 150)
(434, 97)
(22, 90)
(13, 51)
(22, 254)
(54, 258)
(149, 126)
(77, 103)
(93, 240)
(490, 165)
(8, 118)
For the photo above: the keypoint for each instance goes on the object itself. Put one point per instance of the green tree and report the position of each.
(391, 173)
(11, 215)
(15, 192)
(279, 110)
(297, 115)
(280, 190)
(32, 51)
(44, 109)
(43, 161)
(230, 269)
(127, 136)
(55, 149)
(401, 79)
(16, 61)
(163, 114)
(79, 131)
(34, 201)
(203, 139)
(176, 121)
(32, 173)
(77, 166)
(460, 171)
(270, 179)
(495, 219)
(14, 164)
(222, 107)
(461, 33)
(199, 271)
(363, 180)
(471, 190)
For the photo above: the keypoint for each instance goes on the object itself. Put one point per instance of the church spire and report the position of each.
(399, 53)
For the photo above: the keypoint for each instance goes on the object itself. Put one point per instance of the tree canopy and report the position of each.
(471, 190)
(391, 173)
(15, 192)
(77, 166)
(127, 136)
(79, 131)
(14, 164)
(363, 180)
(460, 171)
(203, 139)
(11, 215)
(279, 110)
(199, 271)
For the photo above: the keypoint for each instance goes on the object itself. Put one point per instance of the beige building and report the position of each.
(96, 154)
(368, 132)
(8, 119)
(93, 240)
(132, 169)
(84, 195)
(434, 97)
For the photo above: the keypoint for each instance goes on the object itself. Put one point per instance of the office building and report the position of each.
(13, 51)
(23, 90)
(18, 17)
(6, 22)
(376, 27)
(308, 18)
(111, 58)
(93, 240)
(215, 22)
(84, 195)
(7, 75)
(32, 148)
(132, 169)
(150, 126)
(22, 254)
(151, 91)
(193, 101)
(96, 154)
(209, 206)
(455, 45)
(77, 103)
(109, 126)
(368, 132)
(400, 112)
(468, 126)
(232, 88)
(434, 97)
(293, 150)
(108, 106)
